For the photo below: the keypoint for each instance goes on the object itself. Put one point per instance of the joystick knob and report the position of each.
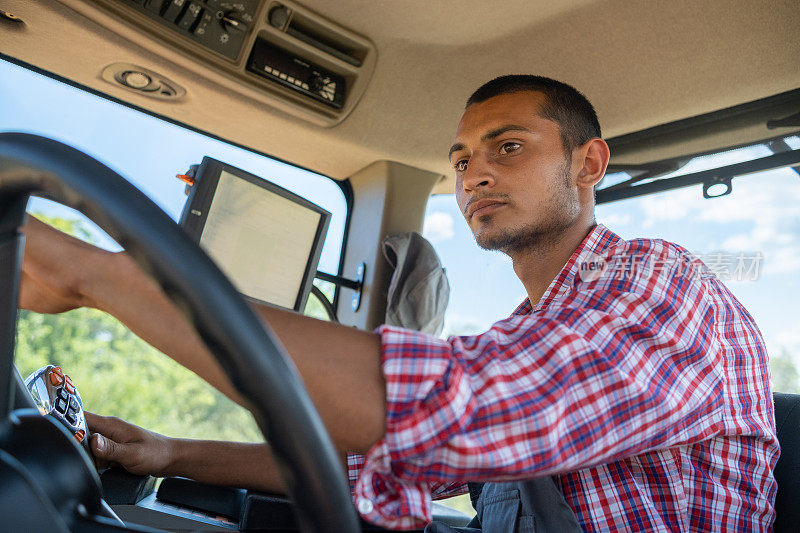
(56, 395)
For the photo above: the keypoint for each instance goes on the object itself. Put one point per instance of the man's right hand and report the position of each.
(60, 273)
(340, 365)
(137, 450)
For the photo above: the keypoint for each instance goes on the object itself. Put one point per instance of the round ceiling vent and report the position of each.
(143, 81)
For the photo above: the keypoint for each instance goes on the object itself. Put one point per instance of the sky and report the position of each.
(145, 150)
(759, 217)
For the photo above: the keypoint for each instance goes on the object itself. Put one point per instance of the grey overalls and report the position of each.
(517, 506)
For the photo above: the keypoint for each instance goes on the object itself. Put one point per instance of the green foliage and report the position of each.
(785, 377)
(460, 327)
(313, 306)
(459, 503)
(72, 226)
(119, 374)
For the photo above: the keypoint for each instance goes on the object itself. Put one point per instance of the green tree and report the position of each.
(314, 306)
(785, 377)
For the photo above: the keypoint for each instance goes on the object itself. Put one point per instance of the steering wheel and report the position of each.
(245, 347)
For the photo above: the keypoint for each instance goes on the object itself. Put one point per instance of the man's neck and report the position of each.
(536, 267)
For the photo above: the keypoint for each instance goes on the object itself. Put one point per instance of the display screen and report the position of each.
(266, 239)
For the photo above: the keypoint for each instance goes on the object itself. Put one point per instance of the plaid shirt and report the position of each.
(638, 381)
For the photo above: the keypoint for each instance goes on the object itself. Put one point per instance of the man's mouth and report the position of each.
(483, 207)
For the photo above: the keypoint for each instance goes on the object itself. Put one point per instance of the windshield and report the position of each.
(117, 373)
(749, 238)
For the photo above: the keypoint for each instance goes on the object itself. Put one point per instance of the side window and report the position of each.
(483, 286)
(117, 373)
(750, 238)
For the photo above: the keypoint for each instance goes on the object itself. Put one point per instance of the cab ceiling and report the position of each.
(641, 63)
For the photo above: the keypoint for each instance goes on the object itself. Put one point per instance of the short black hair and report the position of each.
(564, 104)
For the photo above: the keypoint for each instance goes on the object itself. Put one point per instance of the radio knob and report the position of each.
(279, 16)
(231, 22)
(317, 83)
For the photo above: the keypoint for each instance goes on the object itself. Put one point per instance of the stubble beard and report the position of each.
(539, 236)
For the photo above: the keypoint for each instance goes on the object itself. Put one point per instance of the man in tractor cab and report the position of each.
(629, 391)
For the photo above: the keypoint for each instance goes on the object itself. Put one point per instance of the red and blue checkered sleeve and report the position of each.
(617, 366)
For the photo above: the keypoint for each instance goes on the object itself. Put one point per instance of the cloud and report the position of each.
(783, 261)
(787, 341)
(438, 226)
(774, 225)
(763, 207)
(790, 338)
(658, 209)
(753, 199)
(614, 220)
(456, 324)
(762, 236)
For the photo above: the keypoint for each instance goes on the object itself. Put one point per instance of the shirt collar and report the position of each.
(599, 239)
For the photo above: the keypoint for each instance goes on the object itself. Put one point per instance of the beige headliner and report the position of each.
(641, 63)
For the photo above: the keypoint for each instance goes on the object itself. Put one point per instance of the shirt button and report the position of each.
(364, 506)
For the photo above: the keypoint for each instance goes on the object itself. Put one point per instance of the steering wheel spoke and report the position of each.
(12, 217)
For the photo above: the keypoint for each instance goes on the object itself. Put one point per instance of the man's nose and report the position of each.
(479, 174)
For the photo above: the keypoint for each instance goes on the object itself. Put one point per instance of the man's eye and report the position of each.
(509, 147)
(461, 165)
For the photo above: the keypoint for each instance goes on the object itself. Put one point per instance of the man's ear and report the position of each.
(594, 155)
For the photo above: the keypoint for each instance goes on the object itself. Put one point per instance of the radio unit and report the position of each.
(304, 77)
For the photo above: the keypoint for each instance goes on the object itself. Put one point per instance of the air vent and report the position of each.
(313, 33)
(143, 81)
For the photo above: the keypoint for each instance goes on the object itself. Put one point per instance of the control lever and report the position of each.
(55, 395)
(230, 22)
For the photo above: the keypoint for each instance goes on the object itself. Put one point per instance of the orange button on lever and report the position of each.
(57, 370)
(55, 379)
(79, 435)
(69, 386)
(186, 179)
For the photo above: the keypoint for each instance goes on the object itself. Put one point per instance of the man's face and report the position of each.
(514, 181)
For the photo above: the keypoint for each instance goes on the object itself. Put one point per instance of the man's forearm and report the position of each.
(144, 452)
(116, 285)
(340, 365)
(234, 464)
